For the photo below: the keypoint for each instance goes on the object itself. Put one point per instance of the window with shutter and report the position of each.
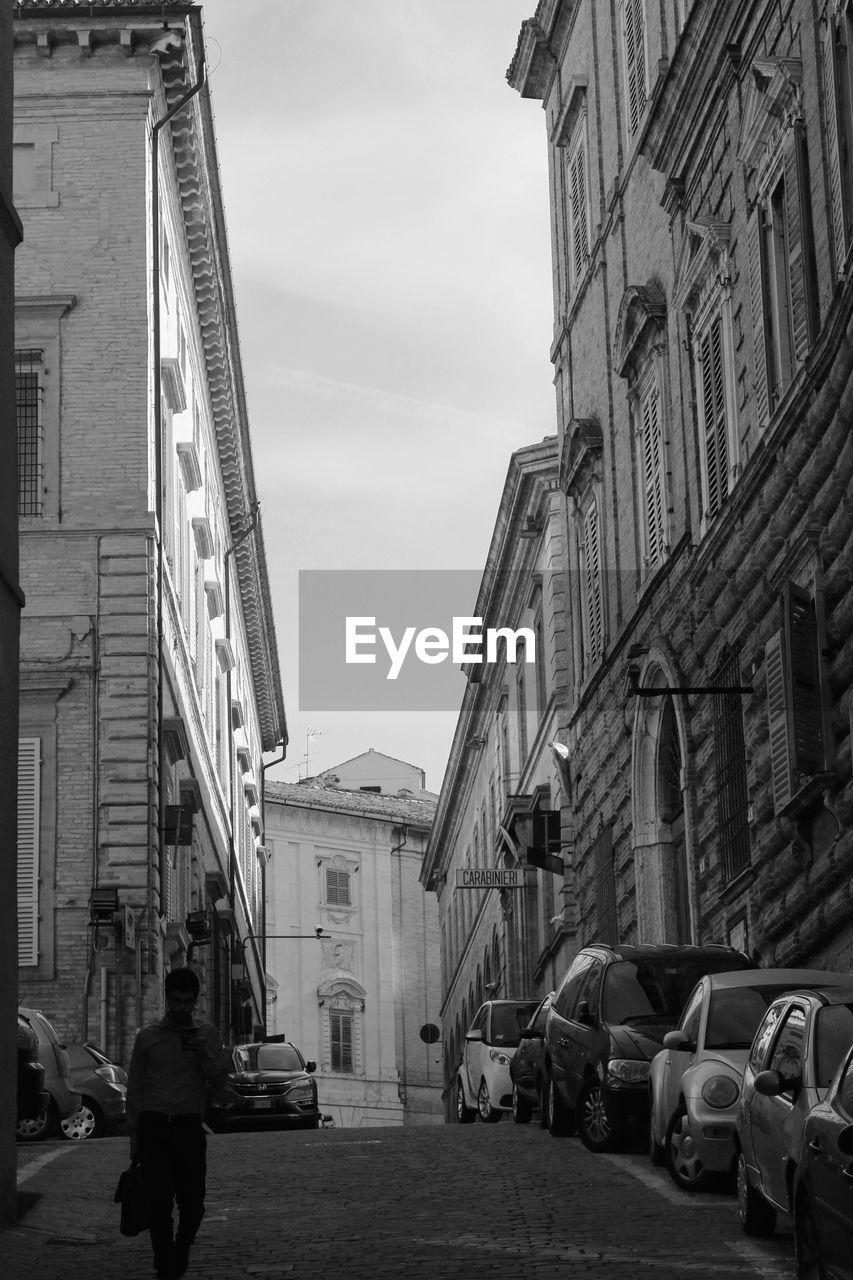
(578, 204)
(635, 61)
(521, 702)
(714, 418)
(28, 413)
(651, 447)
(730, 761)
(839, 130)
(29, 798)
(341, 1040)
(794, 705)
(337, 887)
(782, 280)
(593, 594)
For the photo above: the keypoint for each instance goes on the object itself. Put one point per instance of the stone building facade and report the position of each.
(10, 611)
(363, 999)
(504, 779)
(149, 675)
(702, 215)
(701, 221)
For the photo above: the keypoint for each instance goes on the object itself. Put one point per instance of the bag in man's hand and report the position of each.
(130, 1194)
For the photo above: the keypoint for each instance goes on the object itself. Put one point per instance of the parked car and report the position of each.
(32, 1096)
(797, 1050)
(606, 1023)
(483, 1084)
(823, 1185)
(527, 1065)
(102, 1085)
(271, 1081)
(695, 1081)
(63, 1100)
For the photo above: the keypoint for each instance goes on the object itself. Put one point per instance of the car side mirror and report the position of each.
(310, 1066)
(771, 1084)
(678, 1040)
(845, 1141)
(473, 1035)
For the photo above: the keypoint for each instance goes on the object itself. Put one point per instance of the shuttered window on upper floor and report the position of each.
(578, 203)
(651, 446)
(592, 586)
(715, 426)
(29, 419)
(29, 801)
(338, 887)
(794, 703)
(636, 79)
(836, 37)
(782, 282)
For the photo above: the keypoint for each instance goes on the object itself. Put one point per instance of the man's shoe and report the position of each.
(182, 1259)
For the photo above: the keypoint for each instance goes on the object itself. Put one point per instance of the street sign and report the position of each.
(489, 878)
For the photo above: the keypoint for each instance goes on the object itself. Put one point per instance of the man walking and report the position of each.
(175, 1061)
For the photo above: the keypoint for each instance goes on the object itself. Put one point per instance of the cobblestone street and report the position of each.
(474, 1201)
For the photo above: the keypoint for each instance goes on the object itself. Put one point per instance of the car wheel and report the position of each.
(86, 1122)
(487, 1113)
(757, 1217)
(807, 1242)
(464, 1113)
(44, 1125)
(594, 1128)
(656, 1151)
(559, 1116)
(682, 1159)
(521, 1108)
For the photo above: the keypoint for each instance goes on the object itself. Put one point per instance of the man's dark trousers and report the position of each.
(173, 1152)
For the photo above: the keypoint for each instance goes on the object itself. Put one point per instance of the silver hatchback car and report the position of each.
(57, 1080)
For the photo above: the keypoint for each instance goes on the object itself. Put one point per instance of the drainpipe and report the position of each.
(158, 459)
(241, 537)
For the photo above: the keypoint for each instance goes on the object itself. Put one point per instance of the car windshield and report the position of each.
(508, 1020)
(734, 1015)
(834, 1037)
(267, 1057)
(648, 990)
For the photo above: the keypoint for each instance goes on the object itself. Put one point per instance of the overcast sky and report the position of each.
(387, 203)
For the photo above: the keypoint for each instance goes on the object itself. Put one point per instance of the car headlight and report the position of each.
(302, 1093)
(497, 1056)
(720, 1091)
(629, 1070)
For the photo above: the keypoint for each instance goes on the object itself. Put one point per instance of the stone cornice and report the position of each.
(196, 166)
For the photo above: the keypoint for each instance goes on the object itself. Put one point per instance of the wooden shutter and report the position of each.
(653, 477)
(635, 61)
(577, 193)
(758, 303)
(341, 1037)
(29, 792)
(715, 425)
(801, 282)
(834, 140)
(592, 566)
(793, 698)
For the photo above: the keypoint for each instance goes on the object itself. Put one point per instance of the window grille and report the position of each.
(605, 887)
(29, 778)
(28, 412)
(730, 761)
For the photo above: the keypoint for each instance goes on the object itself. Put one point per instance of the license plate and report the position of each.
(262, 1104)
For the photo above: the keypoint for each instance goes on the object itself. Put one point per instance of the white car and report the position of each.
(695, 1080)
(483, 1084)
